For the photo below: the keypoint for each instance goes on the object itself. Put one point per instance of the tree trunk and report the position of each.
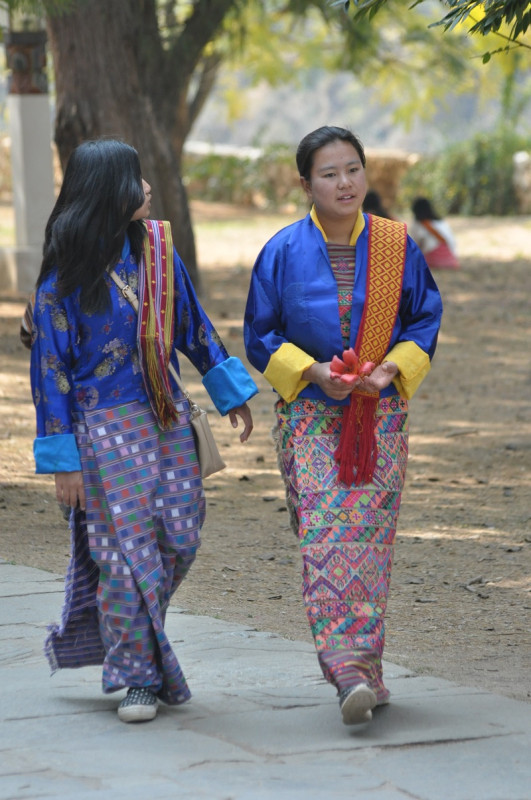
(114, 78)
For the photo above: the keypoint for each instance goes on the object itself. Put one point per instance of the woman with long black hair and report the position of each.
(114, 428)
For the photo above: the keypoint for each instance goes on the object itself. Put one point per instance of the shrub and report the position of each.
(268, 181)
(474, 177)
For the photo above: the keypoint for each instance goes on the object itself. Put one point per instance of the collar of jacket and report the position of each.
(357, 229)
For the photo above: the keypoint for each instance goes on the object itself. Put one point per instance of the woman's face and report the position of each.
(143, 211)
(337, 184)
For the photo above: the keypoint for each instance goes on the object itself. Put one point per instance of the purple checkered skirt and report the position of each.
(130, 549)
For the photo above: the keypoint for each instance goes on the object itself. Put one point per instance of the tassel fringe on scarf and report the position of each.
(156, 319)
(357, 444)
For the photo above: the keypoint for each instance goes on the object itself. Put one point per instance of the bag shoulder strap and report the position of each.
(125, 289)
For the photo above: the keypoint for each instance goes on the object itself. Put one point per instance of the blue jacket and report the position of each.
(292, 313)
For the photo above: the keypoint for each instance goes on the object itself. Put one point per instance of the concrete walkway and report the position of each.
(262, 723)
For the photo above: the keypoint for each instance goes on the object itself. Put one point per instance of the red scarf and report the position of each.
(385, 269)
(156, 319)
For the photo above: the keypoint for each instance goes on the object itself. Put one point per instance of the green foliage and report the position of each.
(509, 19)
(219, 178)
(269, 181)
(472, 178)
(29, 14)
(491, 15)
(35, 7)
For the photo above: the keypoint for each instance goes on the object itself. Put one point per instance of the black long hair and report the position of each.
(101, 190)
(319, 138)
(372, 204)
(423, 209)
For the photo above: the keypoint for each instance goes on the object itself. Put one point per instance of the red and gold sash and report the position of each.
(385, 271)
(156, 318)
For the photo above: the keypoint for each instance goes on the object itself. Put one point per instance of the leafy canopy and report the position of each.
(509, 19)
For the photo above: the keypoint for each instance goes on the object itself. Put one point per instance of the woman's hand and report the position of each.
(379, 379)
(69, 489)
(245, 413)
(335, 388)
(331, 386)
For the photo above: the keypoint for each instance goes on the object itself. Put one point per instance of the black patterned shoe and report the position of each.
(356, 704)
(139, 705)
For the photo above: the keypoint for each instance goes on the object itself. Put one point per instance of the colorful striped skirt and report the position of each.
(346, 534)
(131, 548)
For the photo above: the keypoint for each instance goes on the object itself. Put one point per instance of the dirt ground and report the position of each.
(460, 596)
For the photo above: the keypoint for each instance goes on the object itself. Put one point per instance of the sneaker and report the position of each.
(139, 705)
(356, 704)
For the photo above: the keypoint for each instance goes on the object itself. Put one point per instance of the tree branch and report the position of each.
(207, 78)
(199, 29)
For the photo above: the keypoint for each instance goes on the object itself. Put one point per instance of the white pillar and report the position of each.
(32, 165)
(33, 188)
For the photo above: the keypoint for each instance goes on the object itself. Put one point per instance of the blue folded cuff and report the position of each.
(57, 453)
(229, 385)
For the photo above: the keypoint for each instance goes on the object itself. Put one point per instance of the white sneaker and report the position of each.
(356, 704)
(139, 705)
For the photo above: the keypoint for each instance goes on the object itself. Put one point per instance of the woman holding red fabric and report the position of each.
(342, 319)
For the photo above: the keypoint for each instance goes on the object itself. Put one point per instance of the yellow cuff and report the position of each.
(285, 369)
(413, 365)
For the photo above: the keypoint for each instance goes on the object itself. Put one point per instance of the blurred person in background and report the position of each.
(433, 235)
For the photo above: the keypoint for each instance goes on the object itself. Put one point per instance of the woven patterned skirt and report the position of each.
(346, 534)
(131, 549)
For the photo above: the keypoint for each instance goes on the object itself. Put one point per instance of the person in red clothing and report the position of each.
(433, 235)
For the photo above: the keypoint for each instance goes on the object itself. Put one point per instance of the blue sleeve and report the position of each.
(263, 326)
(229, 385)
(420, 311)
(57, 453)
(51, 381)
(195, 335)
(224, 377)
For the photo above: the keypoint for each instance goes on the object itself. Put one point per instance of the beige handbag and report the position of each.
(209, 457)
(208, 454)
